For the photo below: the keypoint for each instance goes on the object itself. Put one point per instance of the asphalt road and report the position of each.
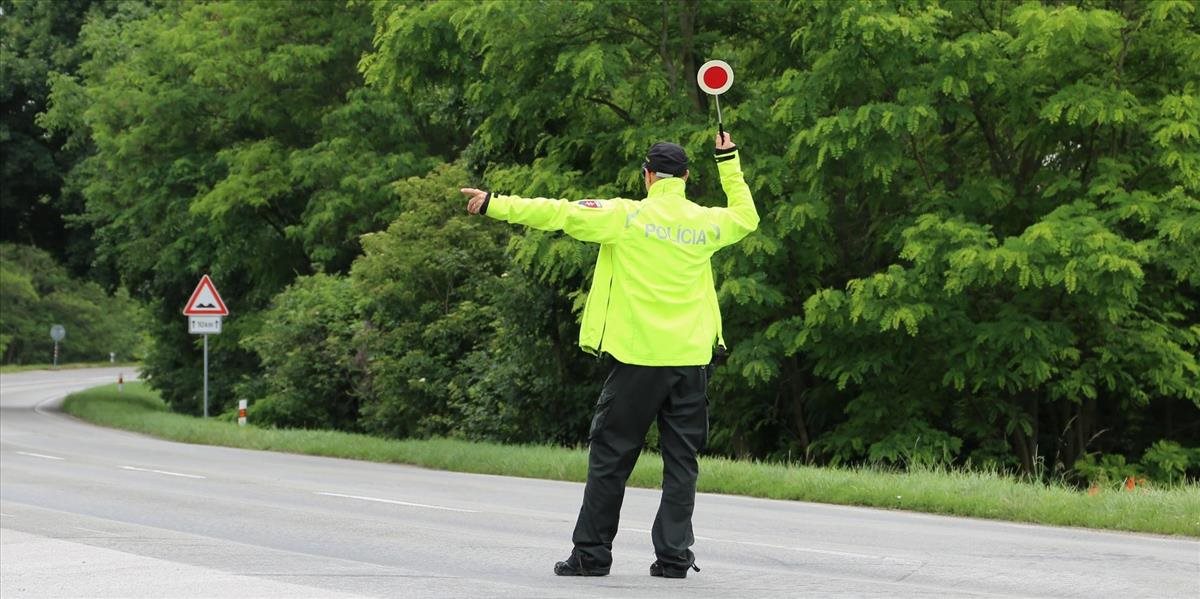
(92, 512)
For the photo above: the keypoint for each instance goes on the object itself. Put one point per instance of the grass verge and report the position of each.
(978, 494)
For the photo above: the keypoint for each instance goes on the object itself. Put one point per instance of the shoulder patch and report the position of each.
(590, 203)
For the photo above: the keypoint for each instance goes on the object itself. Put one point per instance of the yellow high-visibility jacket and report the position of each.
(652, 300)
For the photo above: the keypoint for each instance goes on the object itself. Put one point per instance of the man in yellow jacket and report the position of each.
(653, 308)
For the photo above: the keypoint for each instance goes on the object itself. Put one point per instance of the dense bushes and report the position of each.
(423, 338)
(306, 344)
(37, 293)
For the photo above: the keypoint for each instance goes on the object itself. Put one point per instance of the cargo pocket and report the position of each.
(602, 407)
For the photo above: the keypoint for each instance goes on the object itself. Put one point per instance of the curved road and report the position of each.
(93, 512)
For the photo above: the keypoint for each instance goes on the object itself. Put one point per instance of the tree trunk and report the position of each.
(664, 48)
(797, 395)
(1024, 454)
(1033, 409)
(687, 30)
(1064, 449)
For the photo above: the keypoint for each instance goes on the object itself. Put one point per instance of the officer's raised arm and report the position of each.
(740, 217)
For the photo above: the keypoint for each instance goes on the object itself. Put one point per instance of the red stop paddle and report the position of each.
(715, 77)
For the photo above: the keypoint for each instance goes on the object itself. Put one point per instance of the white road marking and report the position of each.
(41, 455)
(394, 502)
(7, 515)
(99, 532)
(804, 549)
(162, 472)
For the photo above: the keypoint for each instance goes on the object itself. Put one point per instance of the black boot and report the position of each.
(658, 568)
(574, 566)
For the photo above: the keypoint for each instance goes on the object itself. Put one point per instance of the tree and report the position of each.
(233, 139)
(622, 78)
(39, 37)
(1034, 171)
(977, 240)
(422, 283)
(311, 365)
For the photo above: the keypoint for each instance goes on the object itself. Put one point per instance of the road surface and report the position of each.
(93, 512)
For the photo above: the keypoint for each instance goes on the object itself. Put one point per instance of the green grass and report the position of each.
(979, 494)
(11, 368)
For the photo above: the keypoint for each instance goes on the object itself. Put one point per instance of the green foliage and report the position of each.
(1164, 462)
(1107, 470)
(530, 382)
(980, 240)
(421, 283)
(241, 132)
(310, 361)
(456, 344)
(37, 293)
(40, 37)
(1019, 281)
(1170, 462)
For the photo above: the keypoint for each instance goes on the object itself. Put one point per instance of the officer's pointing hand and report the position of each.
(475, 199)
(723, 141)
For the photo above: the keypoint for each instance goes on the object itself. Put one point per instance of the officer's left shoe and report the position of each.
(574, 566)
(659, 569)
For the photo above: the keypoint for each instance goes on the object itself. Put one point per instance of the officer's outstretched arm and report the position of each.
(599, 221)
(740, 217)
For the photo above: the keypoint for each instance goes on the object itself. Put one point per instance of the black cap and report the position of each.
(668, 158)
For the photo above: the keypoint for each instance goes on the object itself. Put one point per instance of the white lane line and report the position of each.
(41, 455)
(804, 549)
(7, 515)
(770, 546)
(394, 502)
(99, 532)
(162, 472)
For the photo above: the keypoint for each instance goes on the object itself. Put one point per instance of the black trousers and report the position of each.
(633, 396)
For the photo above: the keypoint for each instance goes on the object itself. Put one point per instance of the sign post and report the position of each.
(715, 77)
(206, 376)
(204, 311)
(57, 333)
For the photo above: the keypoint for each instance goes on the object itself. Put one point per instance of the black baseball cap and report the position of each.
(667, 158)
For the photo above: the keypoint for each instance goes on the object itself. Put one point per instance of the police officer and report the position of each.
(653, 308)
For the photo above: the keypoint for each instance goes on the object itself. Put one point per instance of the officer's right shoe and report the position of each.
(574, 566)
(658, 568)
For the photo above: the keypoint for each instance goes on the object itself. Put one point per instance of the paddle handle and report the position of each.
(720, 125)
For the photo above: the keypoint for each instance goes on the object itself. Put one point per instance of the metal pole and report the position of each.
(720, 124)
(206, 376)
(56, 354)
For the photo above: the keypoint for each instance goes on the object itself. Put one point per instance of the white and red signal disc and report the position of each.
(715, 77)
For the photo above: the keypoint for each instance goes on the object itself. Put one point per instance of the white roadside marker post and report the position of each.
(57, 332)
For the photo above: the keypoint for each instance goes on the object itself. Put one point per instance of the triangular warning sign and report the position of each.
(205, 300)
